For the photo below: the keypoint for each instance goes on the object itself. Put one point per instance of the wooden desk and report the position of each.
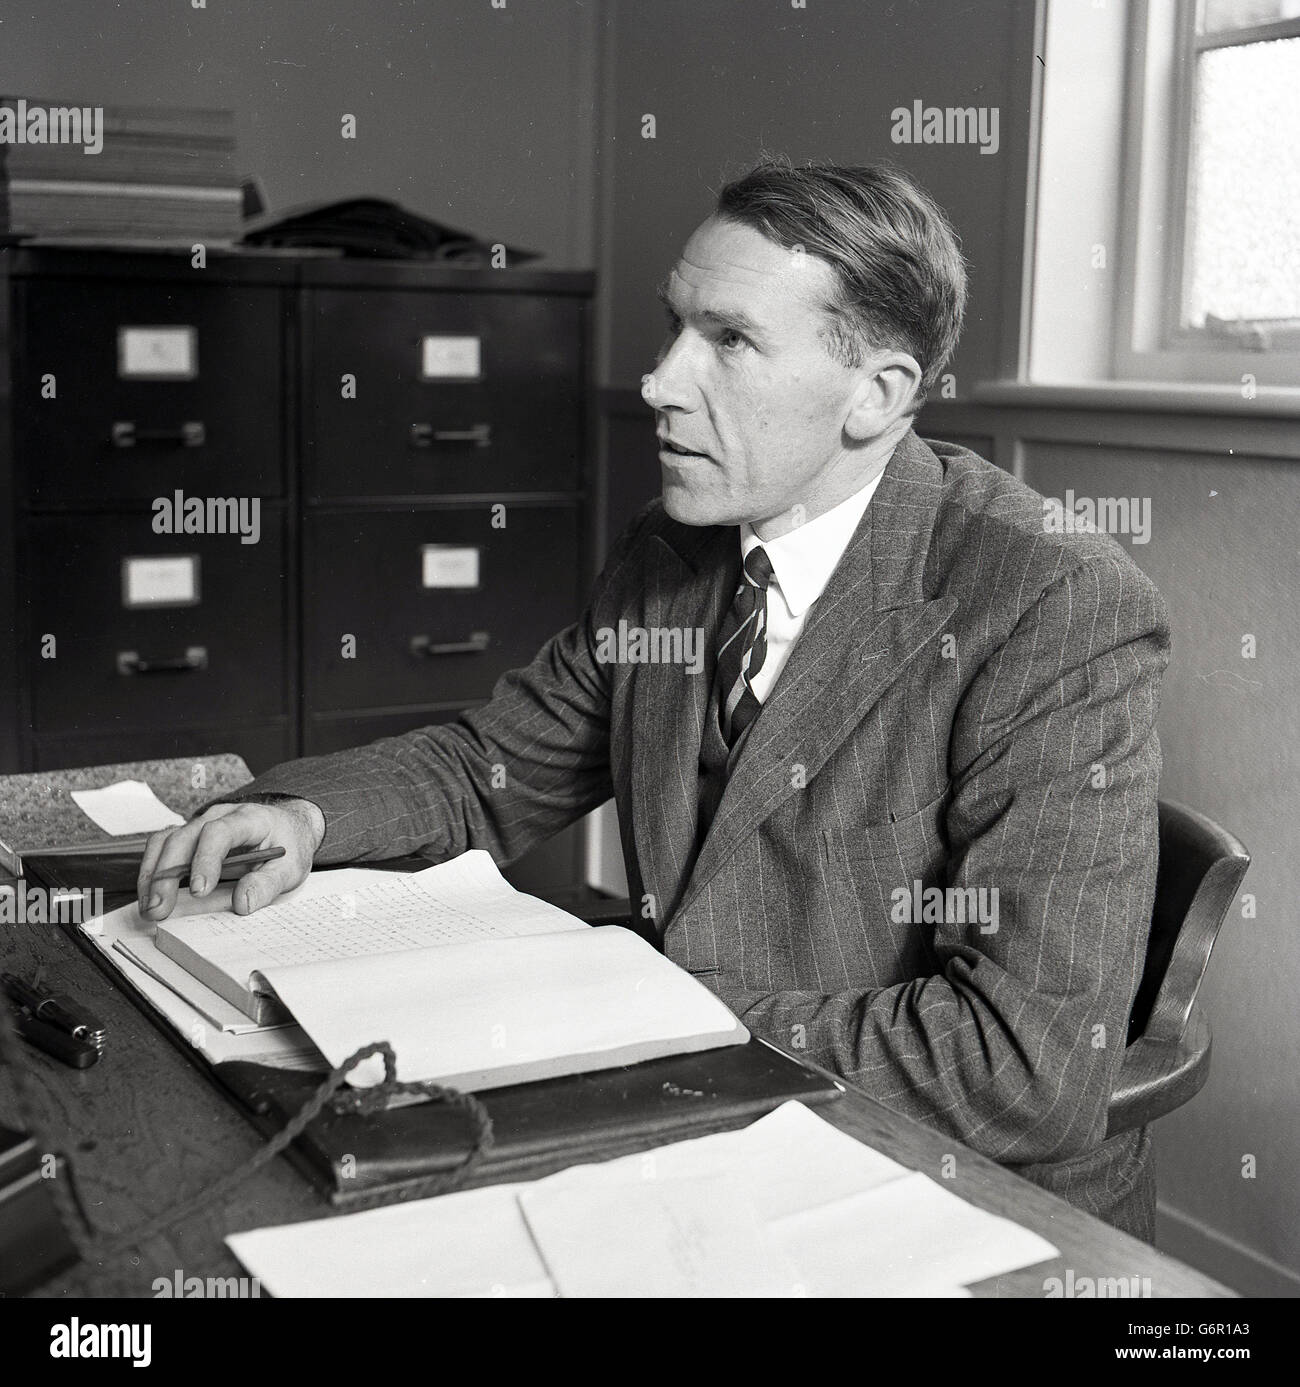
(144, 1127)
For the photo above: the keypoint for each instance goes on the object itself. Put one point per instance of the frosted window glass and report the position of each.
(1244, 227)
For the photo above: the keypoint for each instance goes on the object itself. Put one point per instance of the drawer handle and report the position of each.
(425, 435)
(478, 642)
(190, 435)
(195, 657)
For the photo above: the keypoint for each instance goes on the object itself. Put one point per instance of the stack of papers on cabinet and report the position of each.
(69, 169)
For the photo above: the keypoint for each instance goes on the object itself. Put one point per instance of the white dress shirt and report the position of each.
(802, 563)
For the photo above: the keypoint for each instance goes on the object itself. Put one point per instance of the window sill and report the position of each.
(1163, 397)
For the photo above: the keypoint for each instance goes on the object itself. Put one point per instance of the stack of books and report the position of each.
(117, 173)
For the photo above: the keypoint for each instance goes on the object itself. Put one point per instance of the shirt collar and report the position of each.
(804, 559)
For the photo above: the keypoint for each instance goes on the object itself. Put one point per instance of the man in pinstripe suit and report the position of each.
(903, 816)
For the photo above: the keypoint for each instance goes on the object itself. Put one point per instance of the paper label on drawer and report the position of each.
(449, 566)
(450, 358)
(160, 581)
(157, 353)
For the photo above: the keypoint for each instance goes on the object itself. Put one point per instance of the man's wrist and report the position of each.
(313, 817)
(311, 814)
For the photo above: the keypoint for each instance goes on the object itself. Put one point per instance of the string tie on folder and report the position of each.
(96, 1245)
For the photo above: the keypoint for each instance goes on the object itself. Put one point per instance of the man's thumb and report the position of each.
(260, 887)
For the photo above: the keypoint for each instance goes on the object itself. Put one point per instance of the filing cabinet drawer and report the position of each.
(455, 393)
(430, 607)
(142, 404)
(202, 640)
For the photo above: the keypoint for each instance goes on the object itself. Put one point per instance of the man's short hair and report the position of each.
(897, 262)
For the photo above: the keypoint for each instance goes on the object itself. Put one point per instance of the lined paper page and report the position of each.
(356, 913)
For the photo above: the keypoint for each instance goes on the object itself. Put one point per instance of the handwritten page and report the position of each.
(127, 807)
(354, 913)
(472, 983)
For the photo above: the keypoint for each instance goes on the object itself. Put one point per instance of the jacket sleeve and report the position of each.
(503, 777)
(1014, 1043)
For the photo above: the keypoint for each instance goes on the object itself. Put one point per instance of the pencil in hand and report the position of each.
(246, 860)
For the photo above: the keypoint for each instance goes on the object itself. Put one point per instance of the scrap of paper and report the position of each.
(127, 807)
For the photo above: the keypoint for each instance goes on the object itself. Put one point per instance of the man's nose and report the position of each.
(671, 385)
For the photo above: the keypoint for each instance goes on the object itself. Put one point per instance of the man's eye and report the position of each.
(731, 340)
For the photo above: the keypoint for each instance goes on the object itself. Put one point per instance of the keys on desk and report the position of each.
(55, 1023)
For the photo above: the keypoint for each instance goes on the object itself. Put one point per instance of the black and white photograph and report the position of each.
(649, 651)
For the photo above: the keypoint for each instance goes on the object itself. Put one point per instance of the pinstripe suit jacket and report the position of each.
(970, 705)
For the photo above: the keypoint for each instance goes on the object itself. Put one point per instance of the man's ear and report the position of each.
(885, 391)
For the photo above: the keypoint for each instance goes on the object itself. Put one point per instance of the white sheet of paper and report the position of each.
(786, 1162)
(819, 1193)
(689, 1237)
(909, 1238)
(470, 1014)
(470, 1244)
(127, 807)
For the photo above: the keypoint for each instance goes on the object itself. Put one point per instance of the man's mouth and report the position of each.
(669, 446)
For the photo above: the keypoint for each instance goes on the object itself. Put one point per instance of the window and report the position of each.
(1237, 274)
(1209, 287)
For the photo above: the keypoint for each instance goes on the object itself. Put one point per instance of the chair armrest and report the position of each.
(1158, 1076)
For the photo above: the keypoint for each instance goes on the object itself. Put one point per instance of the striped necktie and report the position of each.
(742, 647)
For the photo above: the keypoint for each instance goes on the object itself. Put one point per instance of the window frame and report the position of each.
(1151, 341)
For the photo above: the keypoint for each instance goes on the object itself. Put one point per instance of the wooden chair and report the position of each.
(1168, 1056)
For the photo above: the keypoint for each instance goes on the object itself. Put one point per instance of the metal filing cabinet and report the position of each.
(136, 377)
(446, 476)
(417, 440)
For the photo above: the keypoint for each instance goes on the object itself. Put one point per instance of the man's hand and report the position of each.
(203, 844)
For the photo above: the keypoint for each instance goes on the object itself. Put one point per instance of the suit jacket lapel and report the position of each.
(690, 584)
(871, 619)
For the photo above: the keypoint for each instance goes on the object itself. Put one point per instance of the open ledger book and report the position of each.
(472, 983)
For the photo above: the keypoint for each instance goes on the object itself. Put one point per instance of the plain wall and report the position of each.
(1224, 555)
(728, 79)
